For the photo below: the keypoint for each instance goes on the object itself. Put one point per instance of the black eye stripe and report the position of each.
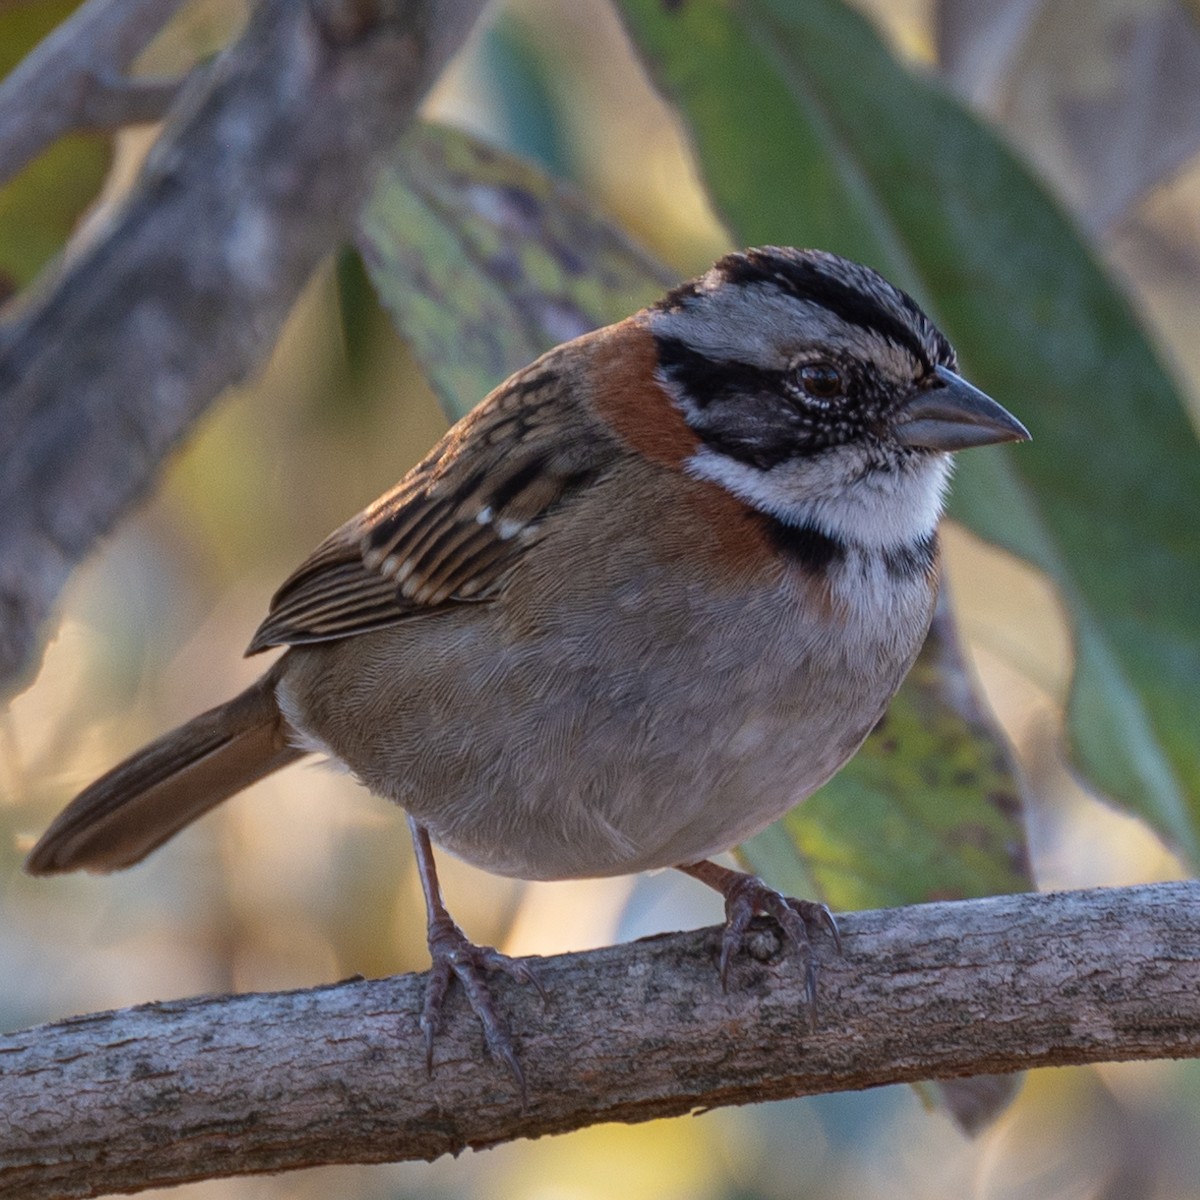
(707, 379)
(762, 450)
(772, 418)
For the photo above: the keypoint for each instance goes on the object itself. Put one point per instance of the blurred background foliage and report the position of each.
(993, 156)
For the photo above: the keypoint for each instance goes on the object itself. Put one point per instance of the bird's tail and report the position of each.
(168, 784)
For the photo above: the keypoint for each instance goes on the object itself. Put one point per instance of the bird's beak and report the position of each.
(950, 414)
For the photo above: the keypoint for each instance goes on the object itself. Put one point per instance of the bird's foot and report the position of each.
(455, 956)
(745, 897)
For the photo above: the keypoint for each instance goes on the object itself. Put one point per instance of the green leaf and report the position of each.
(485, 262)
(809, 133)
(357, 305)
(40, 207)
(928, 809)
(520, 88)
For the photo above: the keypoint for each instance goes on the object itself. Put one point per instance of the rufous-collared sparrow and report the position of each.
(653, 592)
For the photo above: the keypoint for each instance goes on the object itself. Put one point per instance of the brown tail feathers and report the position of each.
(166, 785)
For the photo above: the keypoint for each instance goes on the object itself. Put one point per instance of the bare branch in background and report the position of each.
(259, 175)
(1106, 110)
(198, 1089)
(76, 79)
(112, 103)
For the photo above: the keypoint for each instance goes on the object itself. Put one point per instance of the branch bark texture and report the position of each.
(168, 1093)
(75, 78)
(260, 173)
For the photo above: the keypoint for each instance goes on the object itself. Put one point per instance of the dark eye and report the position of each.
(822, 381)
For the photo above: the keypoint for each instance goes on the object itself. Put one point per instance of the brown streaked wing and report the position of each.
(451, 528)
(332, 595)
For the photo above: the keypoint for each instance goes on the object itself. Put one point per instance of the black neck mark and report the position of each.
(815, 550)
(805, 545)
(916, 560)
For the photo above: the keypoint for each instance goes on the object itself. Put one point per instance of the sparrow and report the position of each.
(648, 596)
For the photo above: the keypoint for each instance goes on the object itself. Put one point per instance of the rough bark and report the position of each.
(258, 175)
(221, 1086)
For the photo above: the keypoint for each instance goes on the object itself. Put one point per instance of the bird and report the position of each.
(649, 595)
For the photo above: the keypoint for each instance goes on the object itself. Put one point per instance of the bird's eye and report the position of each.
(821, 380)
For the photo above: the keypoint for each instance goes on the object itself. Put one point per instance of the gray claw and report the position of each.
(456, 957)
(831, 927)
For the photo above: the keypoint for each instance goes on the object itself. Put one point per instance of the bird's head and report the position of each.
(819, 392)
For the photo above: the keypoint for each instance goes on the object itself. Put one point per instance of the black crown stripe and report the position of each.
(805, 280)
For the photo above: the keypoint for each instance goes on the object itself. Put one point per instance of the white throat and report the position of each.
(841, 492)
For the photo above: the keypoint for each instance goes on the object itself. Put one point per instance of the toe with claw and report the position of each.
(745, 897)
(455, 956)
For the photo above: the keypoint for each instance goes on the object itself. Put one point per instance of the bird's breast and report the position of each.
(634, 697)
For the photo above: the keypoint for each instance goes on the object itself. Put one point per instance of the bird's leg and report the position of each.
(456, 957)
(745, 895)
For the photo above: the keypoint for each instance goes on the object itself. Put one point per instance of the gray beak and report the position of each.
(950, 414)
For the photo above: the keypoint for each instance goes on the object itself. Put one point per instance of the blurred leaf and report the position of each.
(485, 262)
(24, 23)
(973, 1103)
(357, 304)
(1157, 249)
(1101, 96)
(810, 133)
(39, 208)
(520, 93)
(929, 809)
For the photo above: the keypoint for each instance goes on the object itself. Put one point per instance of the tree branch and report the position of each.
(260, 174)
(114, 101)
(75, 78)
(211, 1087)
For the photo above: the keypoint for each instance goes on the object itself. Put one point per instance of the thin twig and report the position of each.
(232, 1085)
(75, 79)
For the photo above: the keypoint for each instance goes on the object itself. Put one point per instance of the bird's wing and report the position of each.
(455, 523)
